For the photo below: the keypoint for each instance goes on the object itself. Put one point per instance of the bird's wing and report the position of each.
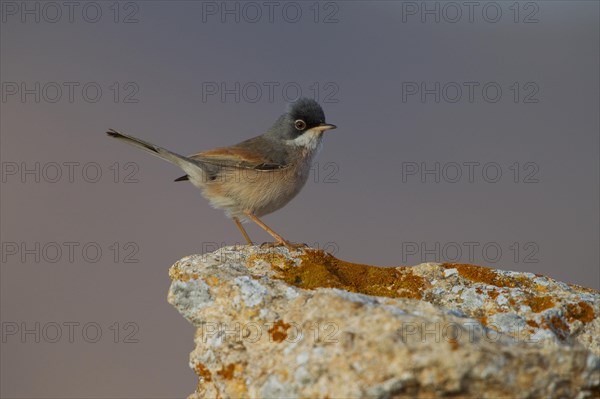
(256, 154)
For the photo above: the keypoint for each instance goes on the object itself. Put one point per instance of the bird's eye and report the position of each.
(300, 124)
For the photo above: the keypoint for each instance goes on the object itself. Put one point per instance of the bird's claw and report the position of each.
(291, 246)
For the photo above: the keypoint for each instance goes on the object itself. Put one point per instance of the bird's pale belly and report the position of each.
(260, 192)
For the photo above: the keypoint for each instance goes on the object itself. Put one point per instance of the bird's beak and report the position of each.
(325, 126)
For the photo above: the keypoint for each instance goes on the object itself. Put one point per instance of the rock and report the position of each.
(275, 324)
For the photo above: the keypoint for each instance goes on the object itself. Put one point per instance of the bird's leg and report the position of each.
(266, 228)
(280, 240)
(243, 230)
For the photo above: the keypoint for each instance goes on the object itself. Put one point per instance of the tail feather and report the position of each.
(182, 178)
(190, 166)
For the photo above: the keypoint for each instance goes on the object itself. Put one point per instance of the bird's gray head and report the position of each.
(302, 124)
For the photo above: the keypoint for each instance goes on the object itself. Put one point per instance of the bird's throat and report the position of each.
(310, 141)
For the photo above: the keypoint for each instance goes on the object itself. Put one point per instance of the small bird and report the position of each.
(257, 176)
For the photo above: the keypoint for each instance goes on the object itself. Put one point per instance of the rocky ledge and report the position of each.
(303, 324)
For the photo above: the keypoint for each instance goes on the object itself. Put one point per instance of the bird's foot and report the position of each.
(291, 246)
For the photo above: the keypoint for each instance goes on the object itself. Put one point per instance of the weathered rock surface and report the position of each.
(275, 324)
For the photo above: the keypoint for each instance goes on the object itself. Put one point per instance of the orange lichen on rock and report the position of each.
(558, 326)
(319, 269)
(581, 311)
(539, 303)
(275, 259)
(203, 372)
(487, 275)
(532, 323)
(493, 294)
(227, 371)
(584, 289)
(279, 331)
(176, 274)
(540, 287)
(212, 280)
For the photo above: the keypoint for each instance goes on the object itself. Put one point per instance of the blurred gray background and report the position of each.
(466, 134)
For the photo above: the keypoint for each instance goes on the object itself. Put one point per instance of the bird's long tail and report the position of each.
(190, 166)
